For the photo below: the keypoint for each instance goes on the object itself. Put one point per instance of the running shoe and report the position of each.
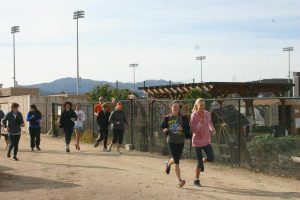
(38, 148)
(8, 154)
(15, 158)
(68, 150)
(108, 150)
(181, 183)
(167, 167)
(197, 183)
(104, 149)
(32, 149)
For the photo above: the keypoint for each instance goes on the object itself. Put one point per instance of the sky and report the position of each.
(241, 39)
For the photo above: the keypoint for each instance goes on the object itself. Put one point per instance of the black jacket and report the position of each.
(103, 120)
(13, 123)
(118, 116)
(65, 119)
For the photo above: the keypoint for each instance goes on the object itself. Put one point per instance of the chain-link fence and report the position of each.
(242, 126)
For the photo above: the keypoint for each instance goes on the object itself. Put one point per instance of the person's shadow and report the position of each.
(11, 182)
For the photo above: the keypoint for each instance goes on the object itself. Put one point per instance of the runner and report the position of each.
(175, 126)
(79, 124)
(12, 122)
(117, 118)
(103, 122)
(202, 129)
(34, 117)
(98, 106)
(2, 133)
(67, 123)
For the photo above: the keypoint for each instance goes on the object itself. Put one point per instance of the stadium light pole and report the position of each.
(289, 49)
(77, 15)
(201, 58)
(14, 29)
(133, 66)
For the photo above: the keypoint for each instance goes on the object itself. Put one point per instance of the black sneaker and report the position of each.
(167, 167)
(15, 158)
(8, 154)
(38, 148)
(68, 150)
(197, 183)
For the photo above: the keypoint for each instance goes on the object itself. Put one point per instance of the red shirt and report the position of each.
(98, 108)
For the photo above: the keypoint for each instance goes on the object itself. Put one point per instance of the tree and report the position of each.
(108, 92)
(195, 94)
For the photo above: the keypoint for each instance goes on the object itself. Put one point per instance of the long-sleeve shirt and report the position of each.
(80, 118)
(118, 119)
(202, 128)
(103, 120)
(34, 119)
(13, 121)
(66, 121)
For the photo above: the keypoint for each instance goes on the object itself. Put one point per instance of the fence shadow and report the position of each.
(249, 192)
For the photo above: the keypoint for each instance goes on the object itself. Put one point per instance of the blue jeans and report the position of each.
(14, 143)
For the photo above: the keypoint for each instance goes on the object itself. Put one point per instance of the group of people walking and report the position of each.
(176, 126)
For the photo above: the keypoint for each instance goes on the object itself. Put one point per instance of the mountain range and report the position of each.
(68, 85)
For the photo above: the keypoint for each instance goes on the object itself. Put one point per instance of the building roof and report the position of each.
(19, 91)
(218, 89)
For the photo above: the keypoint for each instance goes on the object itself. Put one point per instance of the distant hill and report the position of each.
(69, 85)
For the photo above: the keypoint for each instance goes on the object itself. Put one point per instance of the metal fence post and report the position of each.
(93, 123)
(54, 130)
(239, 130)
(131, 121)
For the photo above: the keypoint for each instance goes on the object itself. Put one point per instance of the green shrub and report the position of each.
(87, 136)
(266, 144)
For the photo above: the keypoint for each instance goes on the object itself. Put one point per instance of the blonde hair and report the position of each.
(195, 108)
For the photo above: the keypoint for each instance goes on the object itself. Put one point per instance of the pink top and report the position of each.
(202, 128)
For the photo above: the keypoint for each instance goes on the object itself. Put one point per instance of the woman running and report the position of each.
(67, 123)
(174, 126)
(13, 121)
(79, 124)
(34, 117)
(118, 119)
(103, 123)
(2, 133)
(202, 129)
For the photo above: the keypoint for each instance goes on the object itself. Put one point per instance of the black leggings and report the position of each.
(176, 151)
(14, 143)
(209, 154)
(68, 134)
(103, 135)
(35, 137)
(118, 135)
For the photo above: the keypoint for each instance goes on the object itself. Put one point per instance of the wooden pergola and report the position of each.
(218, 89)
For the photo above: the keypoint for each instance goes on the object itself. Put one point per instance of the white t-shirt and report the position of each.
(80, 118)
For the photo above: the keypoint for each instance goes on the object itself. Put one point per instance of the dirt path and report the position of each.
(91, 174)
